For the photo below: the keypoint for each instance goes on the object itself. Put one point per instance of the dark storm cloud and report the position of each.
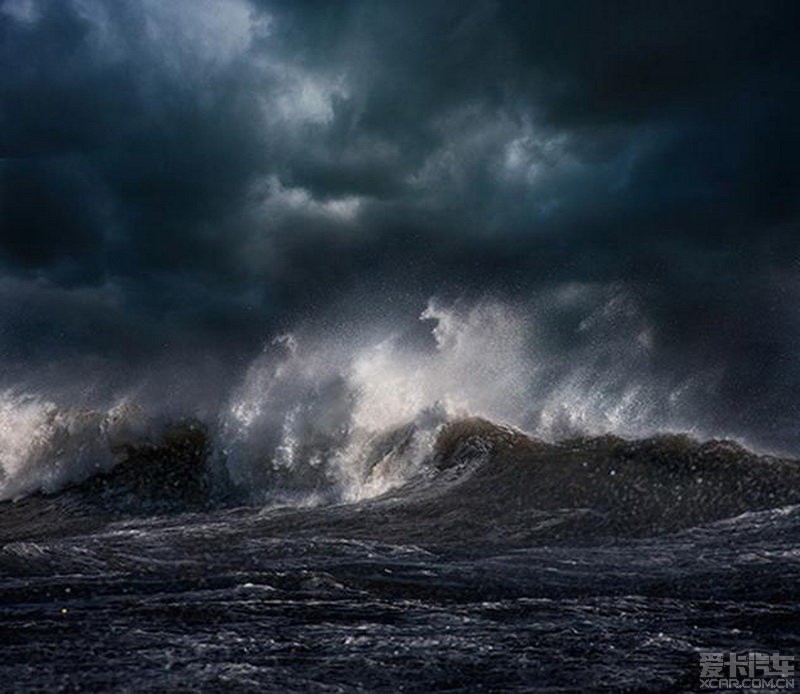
(211, 168)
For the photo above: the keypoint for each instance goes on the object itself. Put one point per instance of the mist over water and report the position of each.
(305, 421)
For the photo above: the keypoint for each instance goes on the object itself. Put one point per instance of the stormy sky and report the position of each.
(188, 177)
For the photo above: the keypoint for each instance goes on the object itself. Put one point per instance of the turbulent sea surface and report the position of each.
(350, 525)
(504, 562)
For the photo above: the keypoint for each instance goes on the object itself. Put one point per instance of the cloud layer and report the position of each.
(186, 177)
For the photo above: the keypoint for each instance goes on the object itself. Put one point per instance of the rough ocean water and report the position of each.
(368, 514)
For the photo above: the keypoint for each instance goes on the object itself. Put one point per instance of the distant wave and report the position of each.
(44, 446)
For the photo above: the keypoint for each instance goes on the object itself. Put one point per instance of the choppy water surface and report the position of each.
(503, 563)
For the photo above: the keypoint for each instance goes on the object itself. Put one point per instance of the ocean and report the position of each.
(376, 521)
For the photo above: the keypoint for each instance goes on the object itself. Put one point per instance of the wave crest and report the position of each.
(349, 414)
(44, 447)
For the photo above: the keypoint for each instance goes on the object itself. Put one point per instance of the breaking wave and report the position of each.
(477, 483)
(314, 413)
(329, 416)
(44, 447)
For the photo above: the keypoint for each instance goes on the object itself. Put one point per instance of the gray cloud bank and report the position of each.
(185, 177)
